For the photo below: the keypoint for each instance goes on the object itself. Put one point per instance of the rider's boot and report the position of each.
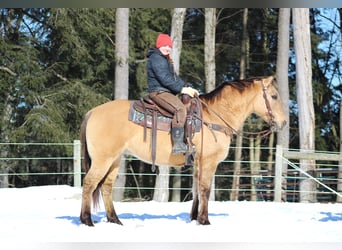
(179, 146)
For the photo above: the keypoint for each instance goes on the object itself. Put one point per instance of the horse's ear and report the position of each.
(267, 80)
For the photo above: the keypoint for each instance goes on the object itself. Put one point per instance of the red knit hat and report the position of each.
(163, 40)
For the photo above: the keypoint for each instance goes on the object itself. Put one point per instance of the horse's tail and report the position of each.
(86, 158)
(86, 162)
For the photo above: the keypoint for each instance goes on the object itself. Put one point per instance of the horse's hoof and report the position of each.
(87, 221)
(114, 220)
(203, 221)
(193, 217)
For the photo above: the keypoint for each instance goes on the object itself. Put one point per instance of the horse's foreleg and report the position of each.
(195, 201)
(107, 191)
(205, 187)
(202, 217)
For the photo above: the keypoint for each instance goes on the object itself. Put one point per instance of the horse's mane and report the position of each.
(237, 84)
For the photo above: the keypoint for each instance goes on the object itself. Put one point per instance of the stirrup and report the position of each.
(179, 149)
(190, 157)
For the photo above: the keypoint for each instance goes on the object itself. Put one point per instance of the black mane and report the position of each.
(237, 84)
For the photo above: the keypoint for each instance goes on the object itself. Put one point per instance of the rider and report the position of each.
(163, 86)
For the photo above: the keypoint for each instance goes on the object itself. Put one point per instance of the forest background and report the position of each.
(56, 64)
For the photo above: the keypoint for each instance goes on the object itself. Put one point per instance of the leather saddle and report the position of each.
(148, 114)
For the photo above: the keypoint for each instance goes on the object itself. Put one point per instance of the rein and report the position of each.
(229, 129)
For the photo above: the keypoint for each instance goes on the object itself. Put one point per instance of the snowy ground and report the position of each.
(50, 214)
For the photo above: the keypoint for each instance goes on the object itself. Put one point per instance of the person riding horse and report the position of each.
(164, 85)
(107, 133)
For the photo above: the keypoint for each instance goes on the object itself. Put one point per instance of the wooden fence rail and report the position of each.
(284, 155)
(266, 184)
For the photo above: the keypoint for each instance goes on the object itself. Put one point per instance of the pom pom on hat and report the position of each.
(163, 40)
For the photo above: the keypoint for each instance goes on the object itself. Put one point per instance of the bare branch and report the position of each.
(61, 77)
(8, 71)
(330, 20)
(227, 17)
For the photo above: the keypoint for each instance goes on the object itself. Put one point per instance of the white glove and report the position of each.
(190, 91)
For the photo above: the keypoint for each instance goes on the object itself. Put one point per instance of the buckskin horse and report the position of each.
(106, 134)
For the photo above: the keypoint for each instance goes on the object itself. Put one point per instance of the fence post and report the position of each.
(278, 173)
(77, 163)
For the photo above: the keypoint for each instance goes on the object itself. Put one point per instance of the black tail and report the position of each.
(86, 162)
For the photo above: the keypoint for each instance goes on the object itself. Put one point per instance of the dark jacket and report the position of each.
(160, 73)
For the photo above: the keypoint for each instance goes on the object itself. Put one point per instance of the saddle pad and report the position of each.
(164, 123)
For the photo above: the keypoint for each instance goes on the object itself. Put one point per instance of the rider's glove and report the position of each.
(190, 91)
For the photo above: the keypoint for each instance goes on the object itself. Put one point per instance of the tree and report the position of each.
(339, 176)
(209, 61)
(161, 192)
(18, 66)
(239, 136)
(121, 80)
(177, 37)
(6, 107)
(209, 49)
(282, 78)
(306, 115)
(121, 53)
(339, 185)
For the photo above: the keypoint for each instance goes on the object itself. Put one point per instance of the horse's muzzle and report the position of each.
(279, 126)
(276, 126)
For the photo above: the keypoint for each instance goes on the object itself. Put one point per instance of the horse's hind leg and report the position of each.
(89, 186)
(90, 190)
(107, 191)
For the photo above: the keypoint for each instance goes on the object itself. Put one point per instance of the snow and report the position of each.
(51, 214)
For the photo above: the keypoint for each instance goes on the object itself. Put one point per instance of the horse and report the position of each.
(106, 134)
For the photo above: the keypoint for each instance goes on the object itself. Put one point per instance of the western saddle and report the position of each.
(148, 114)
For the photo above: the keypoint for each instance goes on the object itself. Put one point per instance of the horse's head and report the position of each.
(270, 107)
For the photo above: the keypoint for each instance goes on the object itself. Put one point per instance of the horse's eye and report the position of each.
(274, 97)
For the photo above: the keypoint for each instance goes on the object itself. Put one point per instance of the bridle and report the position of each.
(230, 130)
(272, 123)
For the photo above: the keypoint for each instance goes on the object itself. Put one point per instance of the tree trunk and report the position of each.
(121, 81)
(209, 63)
(6, 125)
(176, 185)
(161, 190)
(270, 164)
(306, 115)
(283, 82)
(4, 137)
(239, 136)
(5, 166)
(177, 36)
(209, 49)
(234, 195)
(121, 53)
(339, 185)
(255, 160)
(252, 167)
